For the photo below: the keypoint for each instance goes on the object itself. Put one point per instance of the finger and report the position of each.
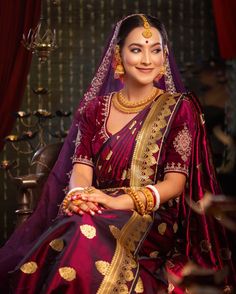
(68, 212)
(94, 207)
(95, 198)
(75, 209)
(84, 207)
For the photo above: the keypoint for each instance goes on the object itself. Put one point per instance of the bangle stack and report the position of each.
(71, 197)
(149, 199)
(152, 197)
(137, 201)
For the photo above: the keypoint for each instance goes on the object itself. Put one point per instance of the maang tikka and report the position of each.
(118, 67)
(147, 28)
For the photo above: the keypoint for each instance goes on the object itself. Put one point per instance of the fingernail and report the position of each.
(99, 211)
(92, 212)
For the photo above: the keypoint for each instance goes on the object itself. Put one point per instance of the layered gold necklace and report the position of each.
(122, 104)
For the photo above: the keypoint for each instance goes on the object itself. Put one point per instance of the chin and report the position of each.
(145, 82)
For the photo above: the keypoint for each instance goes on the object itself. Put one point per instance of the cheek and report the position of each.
(131, 59)
(158, 60)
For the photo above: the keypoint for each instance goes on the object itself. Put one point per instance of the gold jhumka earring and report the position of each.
(162, 71)
(118, 67)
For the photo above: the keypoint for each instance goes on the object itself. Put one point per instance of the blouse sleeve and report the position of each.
(180, 140)
(86, 131)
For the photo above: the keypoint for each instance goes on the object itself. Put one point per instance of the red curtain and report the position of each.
(16, 18)
(225, 18)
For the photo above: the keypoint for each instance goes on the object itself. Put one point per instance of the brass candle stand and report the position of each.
(32, 139)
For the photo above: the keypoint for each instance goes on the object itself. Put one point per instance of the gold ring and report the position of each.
(77, 202)
(89, 190)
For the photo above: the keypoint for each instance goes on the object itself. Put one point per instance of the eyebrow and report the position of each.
(140, 45)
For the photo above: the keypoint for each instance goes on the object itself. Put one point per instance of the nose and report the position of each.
(146, 60)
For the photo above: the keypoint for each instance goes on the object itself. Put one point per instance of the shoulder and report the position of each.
(188, 110)
(188, 101)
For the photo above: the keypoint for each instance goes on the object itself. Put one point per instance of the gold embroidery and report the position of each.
(109, 155)
(175, 227)
(147, 148)
(127, 239)
(67, 273)
(102, 266)
(88, 231)
(202, 119)
(82, 159)
(154, 254)
(176, 167)
(110, 169)
(124, 173)
(183, 143)
(133, 124)
(170, 288)
(133, 132)
(139, 286)
(115, 231)
(129, 276)
(29, 267)
(162, 228)
(57, 244)
(122, 289)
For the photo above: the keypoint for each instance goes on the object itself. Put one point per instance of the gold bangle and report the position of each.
(137, 201)
(149, 199)
(65, 203)
(68, 200)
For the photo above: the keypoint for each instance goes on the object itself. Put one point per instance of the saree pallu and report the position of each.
(85, 255)
(121, 251)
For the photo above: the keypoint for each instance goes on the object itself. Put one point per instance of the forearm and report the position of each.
(81, 176)
(171, 187)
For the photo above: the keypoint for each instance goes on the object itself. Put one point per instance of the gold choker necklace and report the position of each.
(122, 104)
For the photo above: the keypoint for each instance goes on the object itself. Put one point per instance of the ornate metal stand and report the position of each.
(30, 186)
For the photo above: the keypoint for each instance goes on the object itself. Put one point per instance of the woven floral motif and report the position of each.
(183, 143)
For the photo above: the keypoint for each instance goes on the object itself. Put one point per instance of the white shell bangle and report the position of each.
(157, 196)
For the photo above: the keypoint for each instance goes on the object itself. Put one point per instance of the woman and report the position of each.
(124, 221)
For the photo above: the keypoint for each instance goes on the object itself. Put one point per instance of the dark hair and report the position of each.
(136, 21)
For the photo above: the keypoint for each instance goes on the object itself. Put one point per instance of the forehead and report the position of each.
(135, 36)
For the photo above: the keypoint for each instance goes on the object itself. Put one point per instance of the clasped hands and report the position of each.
(89, 200)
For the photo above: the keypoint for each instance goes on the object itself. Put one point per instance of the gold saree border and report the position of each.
(150, 139)
(149, 142)
(123, 259)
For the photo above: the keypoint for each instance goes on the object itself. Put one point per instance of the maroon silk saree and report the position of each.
(121, 251)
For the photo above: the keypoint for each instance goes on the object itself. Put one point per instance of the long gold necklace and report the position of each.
(124, 105)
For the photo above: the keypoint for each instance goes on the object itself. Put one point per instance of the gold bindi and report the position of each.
(147, 28)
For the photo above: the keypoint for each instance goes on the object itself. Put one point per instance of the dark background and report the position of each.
(82, 27)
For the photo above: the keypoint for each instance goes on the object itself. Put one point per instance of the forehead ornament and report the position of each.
(147, 28)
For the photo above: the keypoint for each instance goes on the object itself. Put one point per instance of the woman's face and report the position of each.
(141, 57)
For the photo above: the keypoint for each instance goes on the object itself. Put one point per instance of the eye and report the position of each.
(157, 50)
(135, 50)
